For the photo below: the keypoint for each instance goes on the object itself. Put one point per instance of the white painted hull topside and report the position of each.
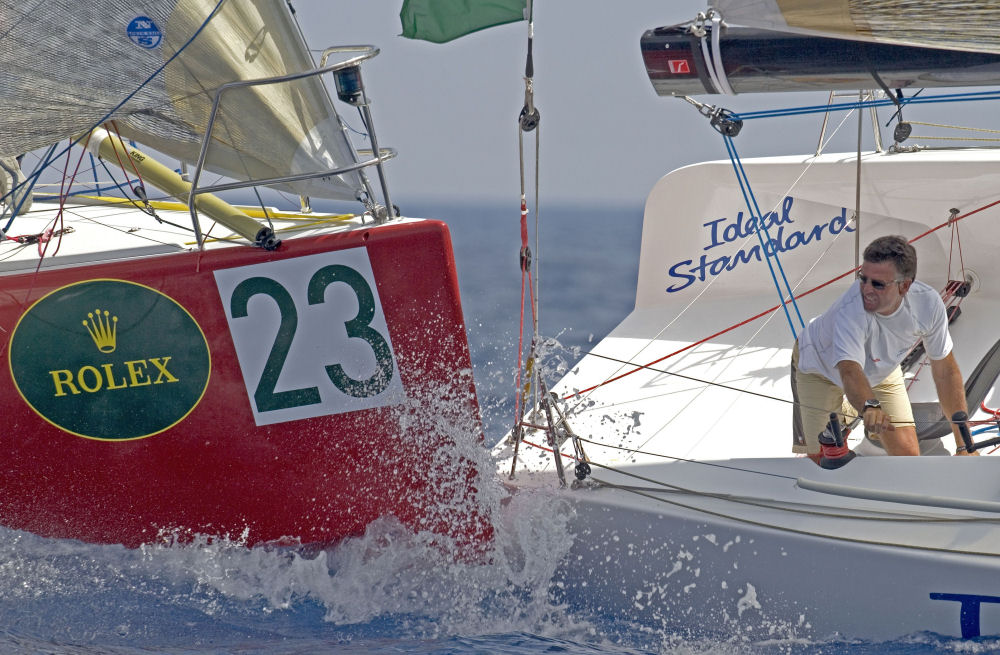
(697, 515)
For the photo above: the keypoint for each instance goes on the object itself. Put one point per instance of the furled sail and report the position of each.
(951, 24)
(684, 61)
(67, 66)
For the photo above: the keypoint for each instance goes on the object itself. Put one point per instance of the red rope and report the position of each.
(711, 336)
(946, 297)
(64, 189)
(46, 235)
(950, 221)
(525, 257)
(138, 175)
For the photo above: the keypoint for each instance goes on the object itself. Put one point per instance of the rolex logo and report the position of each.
(138, 367)
(104, 332)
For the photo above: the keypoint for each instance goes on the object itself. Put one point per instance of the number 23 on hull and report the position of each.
(285, 395)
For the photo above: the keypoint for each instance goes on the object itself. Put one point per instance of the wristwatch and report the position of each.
(872, 403)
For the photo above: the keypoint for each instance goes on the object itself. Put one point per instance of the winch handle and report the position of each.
(961, 420)
(838, 435)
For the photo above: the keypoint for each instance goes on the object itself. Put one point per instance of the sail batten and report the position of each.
(58, 85)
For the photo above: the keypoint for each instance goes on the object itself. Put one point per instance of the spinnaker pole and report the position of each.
(113, 149)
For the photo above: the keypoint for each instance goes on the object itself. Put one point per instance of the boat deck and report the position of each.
(101, 230)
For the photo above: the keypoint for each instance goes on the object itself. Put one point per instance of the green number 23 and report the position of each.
(265, 396)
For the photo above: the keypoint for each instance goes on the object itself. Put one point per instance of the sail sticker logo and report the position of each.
(143, 32)
(679, 66)
(109, 360)
(310, 336)
(784, 237)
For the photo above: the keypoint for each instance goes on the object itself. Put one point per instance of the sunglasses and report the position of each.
(878, 285)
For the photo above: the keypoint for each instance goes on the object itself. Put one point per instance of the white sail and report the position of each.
(68, 66)
(952, 24)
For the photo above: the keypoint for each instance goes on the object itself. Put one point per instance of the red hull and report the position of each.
(173, 432)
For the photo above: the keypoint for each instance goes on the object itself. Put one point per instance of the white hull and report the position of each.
(767, 558)
(701, 518)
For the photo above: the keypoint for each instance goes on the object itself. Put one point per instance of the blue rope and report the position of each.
(988, 428)
(97, 181)
(751, 200)
(30, 181)
(47, 161)
(754, 209)
(885, 102)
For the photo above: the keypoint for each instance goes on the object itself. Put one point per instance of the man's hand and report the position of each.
(896, 441)
(877, 421)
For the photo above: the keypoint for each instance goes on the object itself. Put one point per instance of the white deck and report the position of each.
(102, 232)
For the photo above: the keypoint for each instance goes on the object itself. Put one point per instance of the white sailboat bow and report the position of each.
(674, 433)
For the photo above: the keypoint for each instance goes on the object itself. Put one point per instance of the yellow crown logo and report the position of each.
(104, 332)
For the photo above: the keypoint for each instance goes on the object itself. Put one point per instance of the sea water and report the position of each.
(391, 591)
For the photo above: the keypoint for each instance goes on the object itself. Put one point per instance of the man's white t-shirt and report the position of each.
(878, 343)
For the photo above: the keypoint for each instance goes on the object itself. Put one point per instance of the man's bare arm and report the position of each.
(950, 390)
(857, 390)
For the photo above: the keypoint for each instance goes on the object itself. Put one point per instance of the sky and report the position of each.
(450, 110)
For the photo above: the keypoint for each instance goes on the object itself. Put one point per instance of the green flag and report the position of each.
(439, 21)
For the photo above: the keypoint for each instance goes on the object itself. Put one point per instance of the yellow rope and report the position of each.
(952, 138)
(253, 212)
(955, 138)
(955, 127)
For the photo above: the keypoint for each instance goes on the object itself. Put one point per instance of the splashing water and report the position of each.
(388, 590)
(215, 592)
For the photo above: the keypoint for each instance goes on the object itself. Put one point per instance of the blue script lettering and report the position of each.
(722, 231)
(737, 230)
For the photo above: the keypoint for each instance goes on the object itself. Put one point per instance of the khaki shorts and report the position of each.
(816, 397)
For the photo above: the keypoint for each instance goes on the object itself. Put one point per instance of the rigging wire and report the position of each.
(30, 180)
(751, 202)
(977, 96)
(581, 396)
(748, 195)
(992, 425)
(857, 187)
(33, 177)
(528, 121)
(718, 385)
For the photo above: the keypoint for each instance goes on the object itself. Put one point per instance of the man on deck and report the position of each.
(847, 359)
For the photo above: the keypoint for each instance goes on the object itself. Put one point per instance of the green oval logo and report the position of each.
(109, 360)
